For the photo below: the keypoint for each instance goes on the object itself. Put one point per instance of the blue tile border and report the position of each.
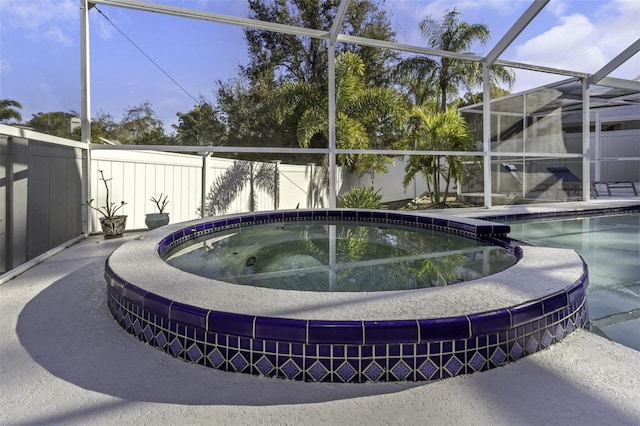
(422, 349)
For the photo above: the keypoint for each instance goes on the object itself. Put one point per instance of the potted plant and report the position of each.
(113, 224)
(155, 220)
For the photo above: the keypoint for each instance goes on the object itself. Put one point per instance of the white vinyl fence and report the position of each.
(136, 176)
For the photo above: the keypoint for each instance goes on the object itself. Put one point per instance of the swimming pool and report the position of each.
(610, 244)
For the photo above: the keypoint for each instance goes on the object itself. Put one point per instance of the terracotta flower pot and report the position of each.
(113, 227)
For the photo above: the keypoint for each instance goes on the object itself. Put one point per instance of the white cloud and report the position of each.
(585, 43)
(40, 19)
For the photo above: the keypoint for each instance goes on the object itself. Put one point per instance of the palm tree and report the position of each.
(228, 186)
(441, 77)
(362, 113)
(8, 110)
(440, 131)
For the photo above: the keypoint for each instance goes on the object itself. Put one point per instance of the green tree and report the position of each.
(200, 126)
(423, 74)
(441, 131)
(364, 114)
(247, 102)
(303, 59)
(57, 123)
(103, 126)
(141, 126)
(9, 111)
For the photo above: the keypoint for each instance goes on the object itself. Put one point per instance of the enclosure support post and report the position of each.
(586, 141)
(85, 110)
(332, 125)
(486, 133)
(203, 183)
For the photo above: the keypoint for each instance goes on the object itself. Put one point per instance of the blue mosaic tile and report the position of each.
(189, 315)
(401, 370)
(555, 302)
(161, 339)
(576, 294)
(425, 220)
(194, 353)
(318, 371)
(350, 214)
(373, 371)
(490, 322)
(281, 329)
(230, 323)
(147, 333)
(290, 369)
(444, 328)
(325, 350)
(247, 218)
(126, 320)
(239, 362)
(547, 339)
(175, 346)
(347, 332)
(245, 343)
(345, 371)
(526, 313)
(133, 294)
(216, 358)
(498, 357)
(264, 366)
(394, 216)
(137, 327)
(453, 366)
(156, 305)
(516, 351)
(219, 224)
(532, 345)
(404, 331)
(440, 222)
(428, 368)
(477, 361)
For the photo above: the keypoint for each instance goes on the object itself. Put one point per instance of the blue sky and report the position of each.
(40, 48)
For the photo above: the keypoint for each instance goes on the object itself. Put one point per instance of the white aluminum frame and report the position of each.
(333, 36)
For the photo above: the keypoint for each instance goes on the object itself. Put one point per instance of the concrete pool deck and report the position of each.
(64, 360)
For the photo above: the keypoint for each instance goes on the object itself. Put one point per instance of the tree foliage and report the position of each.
(442, 77)
(57, 123)
(9, 111)
(280, 57)
(441, 131)
(141, 126)
(365, 115)
(200, 127)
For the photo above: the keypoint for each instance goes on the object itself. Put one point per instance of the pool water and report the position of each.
(340, 257)
(610, 244)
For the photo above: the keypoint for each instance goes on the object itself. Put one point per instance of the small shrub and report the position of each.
(361, 197)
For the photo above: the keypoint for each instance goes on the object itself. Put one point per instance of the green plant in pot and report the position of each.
(156, 220)
(113, 224)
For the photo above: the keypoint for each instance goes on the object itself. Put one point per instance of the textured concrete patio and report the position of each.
(64, 360)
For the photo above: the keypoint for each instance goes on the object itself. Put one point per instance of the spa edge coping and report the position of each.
(527, 286)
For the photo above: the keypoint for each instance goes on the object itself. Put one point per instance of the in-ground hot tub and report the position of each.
(418, 334)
